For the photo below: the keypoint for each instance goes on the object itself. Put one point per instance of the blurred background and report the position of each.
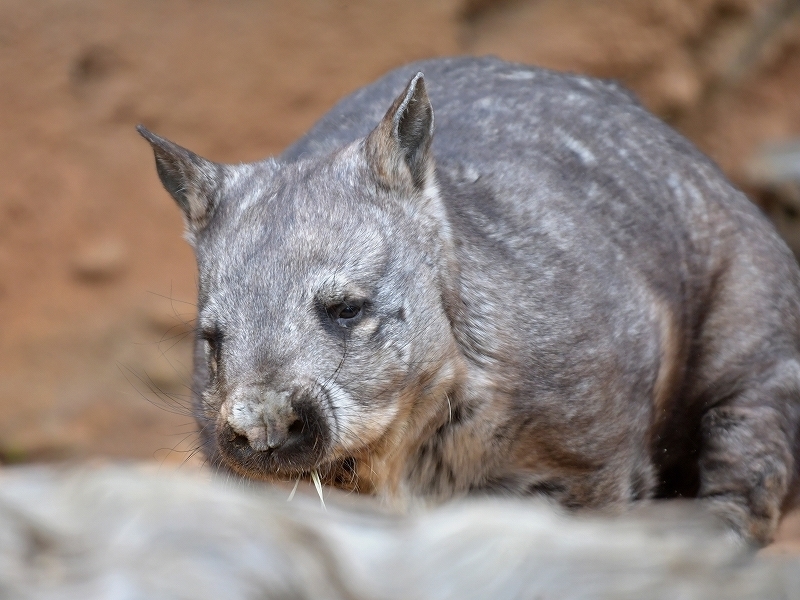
(96, 284)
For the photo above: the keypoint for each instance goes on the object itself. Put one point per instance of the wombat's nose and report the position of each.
(267, 431)
(259, 420)
(275, 432)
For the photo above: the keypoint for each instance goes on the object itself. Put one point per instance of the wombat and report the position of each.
(554, 294)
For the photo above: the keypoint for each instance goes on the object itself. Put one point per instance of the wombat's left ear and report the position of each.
(190, 179)
(398, 149)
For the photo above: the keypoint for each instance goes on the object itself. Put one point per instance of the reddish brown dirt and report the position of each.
(96, 285)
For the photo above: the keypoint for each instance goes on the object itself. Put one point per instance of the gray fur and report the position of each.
(559, 295)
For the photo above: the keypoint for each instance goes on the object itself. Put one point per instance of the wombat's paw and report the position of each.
(752, 528)
(746, 468)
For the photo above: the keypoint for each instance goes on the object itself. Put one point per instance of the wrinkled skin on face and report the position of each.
(315, 321)
(319, 342)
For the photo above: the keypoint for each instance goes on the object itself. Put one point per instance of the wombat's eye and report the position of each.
(344, 311)
(211, 343)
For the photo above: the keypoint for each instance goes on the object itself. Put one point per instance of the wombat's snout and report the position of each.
(266, 431)
(278, 430)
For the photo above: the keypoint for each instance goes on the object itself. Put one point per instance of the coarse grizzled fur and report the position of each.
(554, 294)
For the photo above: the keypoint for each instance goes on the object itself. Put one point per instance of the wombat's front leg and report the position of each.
(746, 460)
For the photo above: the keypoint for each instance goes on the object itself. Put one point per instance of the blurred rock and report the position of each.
(774, 171)
(775, 164)
(117, 533)
(100, 261)
(94, 63)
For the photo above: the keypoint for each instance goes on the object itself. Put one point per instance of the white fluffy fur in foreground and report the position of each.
(124, 533)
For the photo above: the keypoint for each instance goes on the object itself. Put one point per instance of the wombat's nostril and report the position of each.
(295, 428)
(279, 435)
(240, 441)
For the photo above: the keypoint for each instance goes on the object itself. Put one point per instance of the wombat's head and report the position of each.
(322, 336)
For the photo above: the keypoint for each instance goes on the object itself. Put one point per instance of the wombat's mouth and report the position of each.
(286, 467)
(296, 458)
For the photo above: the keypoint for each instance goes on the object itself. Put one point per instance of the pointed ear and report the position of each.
(189, 178)
(398, 149)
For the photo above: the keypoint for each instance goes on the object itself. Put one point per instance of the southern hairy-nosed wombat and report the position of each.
(554, 294)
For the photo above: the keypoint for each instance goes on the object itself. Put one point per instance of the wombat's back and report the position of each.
(562, 153)
(476, 100)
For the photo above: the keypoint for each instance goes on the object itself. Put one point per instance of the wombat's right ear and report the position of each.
(190, 179)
